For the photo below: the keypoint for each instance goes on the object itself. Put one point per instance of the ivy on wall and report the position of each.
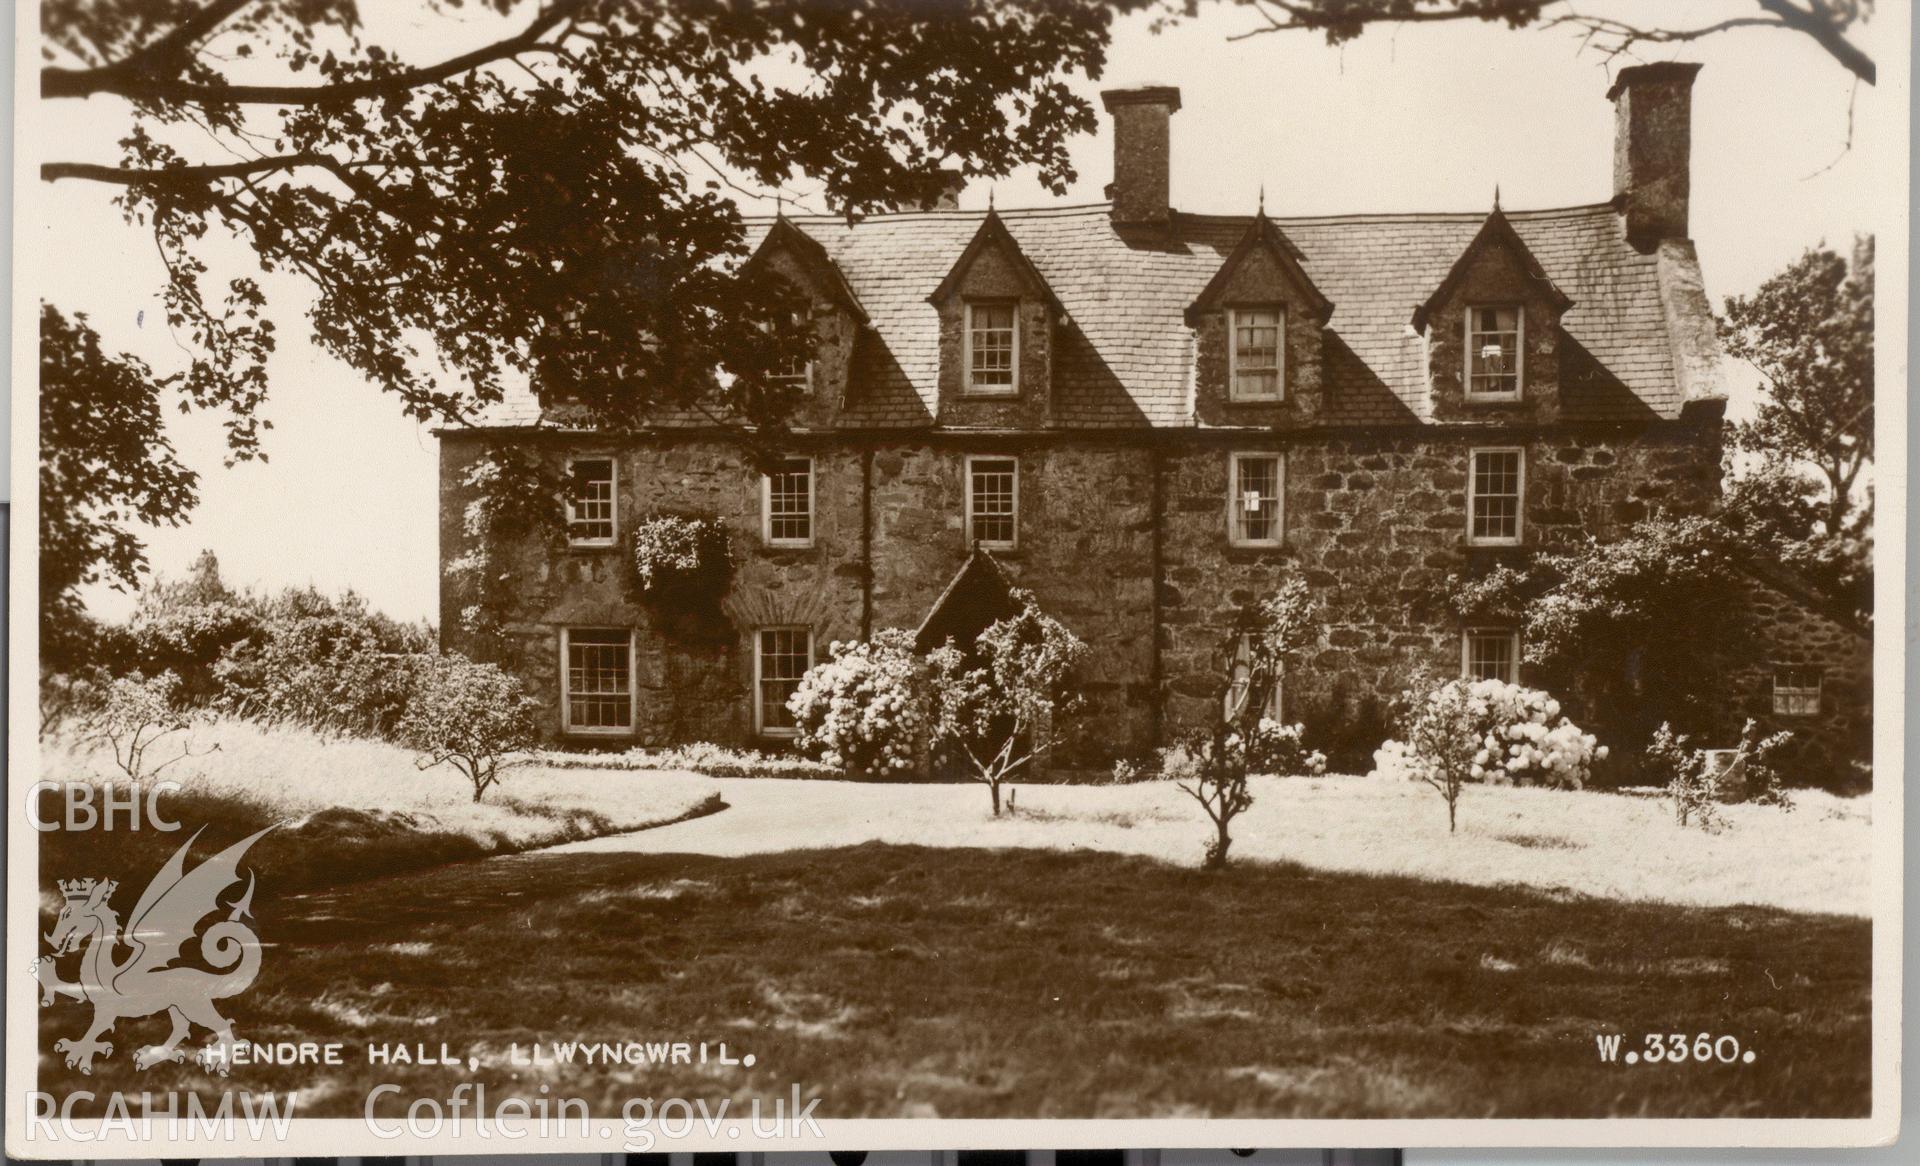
(513, 497)
(682, 567)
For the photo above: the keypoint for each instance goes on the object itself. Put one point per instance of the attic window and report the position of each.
(1493, 353)
(993, 348)
(1257, 356)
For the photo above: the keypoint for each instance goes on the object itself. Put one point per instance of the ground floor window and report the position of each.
(1796, 692)
(597, 680)
(1490, 654)
(781, 656)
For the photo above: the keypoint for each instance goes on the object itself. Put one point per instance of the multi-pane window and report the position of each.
(598, 680)
(1242, 681)
(794, 370)
(781, 656)
(1493, 352)
(993, 502)
(590, 502)
(1253, 501)
(1493, 497)
(1255, 374)
(787, 504)
(1490, 654)
(1796, 692)
(992, 348)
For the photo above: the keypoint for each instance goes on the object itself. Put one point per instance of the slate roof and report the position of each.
(1124, 356)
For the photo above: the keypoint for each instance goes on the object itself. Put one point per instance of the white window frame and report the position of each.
(805, 378)
(1468, 635)
(766, 507)
(760, 726)
(1279, 355)
(1279, 536)
(1011, 389)
(613, 464)
(967, 511)
(1520, 498)
(1790, 692)
(566, 694)
(1519, 353)
(1243, 651)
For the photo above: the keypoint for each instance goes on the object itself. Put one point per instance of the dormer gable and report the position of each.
(789, 254)
(1258, 327)
(997, 315)
(1264, 267)
(1492, 328)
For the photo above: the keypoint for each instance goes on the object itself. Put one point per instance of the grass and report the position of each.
(1816, 858)
(904, 981)
(349, 808)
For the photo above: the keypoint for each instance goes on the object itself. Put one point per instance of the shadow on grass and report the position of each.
(894, 981)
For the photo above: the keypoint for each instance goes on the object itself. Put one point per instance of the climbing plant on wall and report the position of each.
(682, 568)
(512, 499)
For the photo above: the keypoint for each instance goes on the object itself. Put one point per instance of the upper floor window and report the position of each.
(1254, 517)
(993, 348)
(794, 371)
(786, 504)
(1241, 685)
(1493, 352)
(590, 502)
(1490, 654)
(1796, 692)
(596, 678)
(1257, 356)
(993, 502)
(781, 656)
(1495, 479)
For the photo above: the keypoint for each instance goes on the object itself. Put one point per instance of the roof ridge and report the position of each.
(1236, 218)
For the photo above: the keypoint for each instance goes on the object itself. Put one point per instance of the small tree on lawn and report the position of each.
(1002, 707)
(470, 715)
(1443, 734)
(1211, 766)
(135, 716)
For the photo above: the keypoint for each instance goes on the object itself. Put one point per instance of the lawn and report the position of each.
(348, 808)
(898, 981)
(1816, 858)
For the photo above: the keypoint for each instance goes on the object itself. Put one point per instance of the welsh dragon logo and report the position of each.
(150, 977)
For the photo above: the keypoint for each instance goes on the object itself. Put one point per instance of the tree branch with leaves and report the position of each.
(548, 206)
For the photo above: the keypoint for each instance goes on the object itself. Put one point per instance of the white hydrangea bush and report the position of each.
(865, 709)
(1518, 737)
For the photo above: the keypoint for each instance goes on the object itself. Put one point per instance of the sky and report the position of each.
(1424, 118)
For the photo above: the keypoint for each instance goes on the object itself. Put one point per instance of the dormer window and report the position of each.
(795, 370)
(1493, 352)
(993, 348)
(1257, 359)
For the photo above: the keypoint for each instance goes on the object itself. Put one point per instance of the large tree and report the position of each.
(1808, 331)
(1614, 29)
(105, 463)
(551, 202)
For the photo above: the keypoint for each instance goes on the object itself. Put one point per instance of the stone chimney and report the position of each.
(1140, 152)
(1653, 136)
(952, 182)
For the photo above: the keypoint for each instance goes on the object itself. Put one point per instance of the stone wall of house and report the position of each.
(1374, 524)
(1792, 629)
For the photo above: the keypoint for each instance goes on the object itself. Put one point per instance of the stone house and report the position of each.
(1145, 415)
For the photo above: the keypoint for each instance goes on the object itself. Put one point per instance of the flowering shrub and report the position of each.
(674, 555)
(866, 709)
(1277, 748)
(470, 715)
(698, 757)
(1461, 732)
